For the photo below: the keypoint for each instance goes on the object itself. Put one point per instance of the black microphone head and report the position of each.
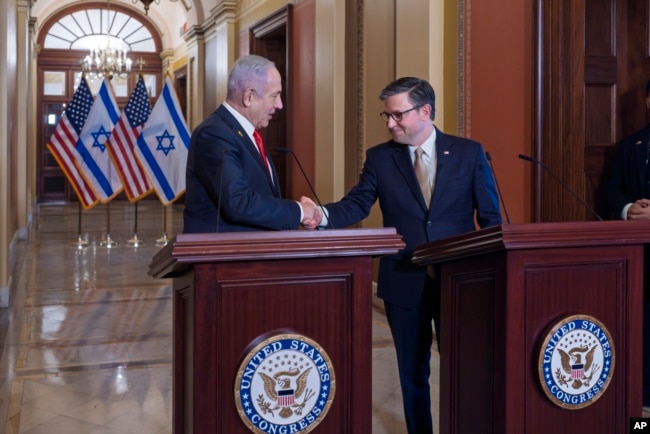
(488, 156)
(283, 150)
(527, 158)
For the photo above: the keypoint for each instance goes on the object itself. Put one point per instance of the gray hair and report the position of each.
(249, 71)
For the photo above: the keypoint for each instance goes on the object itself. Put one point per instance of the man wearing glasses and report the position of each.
(430, 186)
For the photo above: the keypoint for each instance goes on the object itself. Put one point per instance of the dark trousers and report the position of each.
(413, 336)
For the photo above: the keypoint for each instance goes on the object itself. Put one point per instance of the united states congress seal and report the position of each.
(285, 384)
(576, 361)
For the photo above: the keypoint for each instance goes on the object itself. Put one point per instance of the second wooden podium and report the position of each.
(541, 327)
(272, 330)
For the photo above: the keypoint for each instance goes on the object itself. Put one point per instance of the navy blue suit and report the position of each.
(628, 178)
(464, 191)
(627, 184)
(227, 184)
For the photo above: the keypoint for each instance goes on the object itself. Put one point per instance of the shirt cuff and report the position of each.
(325, 220)
(624, 212)
(302, 213)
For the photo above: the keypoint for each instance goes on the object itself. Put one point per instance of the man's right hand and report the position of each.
(312, 213)
(640, 210)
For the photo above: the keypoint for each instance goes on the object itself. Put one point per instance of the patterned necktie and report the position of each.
(260, 147)
(422, 174)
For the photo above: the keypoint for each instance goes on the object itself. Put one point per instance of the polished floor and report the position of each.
(86, 342)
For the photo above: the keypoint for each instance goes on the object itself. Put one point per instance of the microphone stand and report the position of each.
(223, 155)
(304, 175)
(566, 187)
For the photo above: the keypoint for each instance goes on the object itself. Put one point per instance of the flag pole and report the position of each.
(135, 241)
(108, 242)
(81, 241)
(162, 241)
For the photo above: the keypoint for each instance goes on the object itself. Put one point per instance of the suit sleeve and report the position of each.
(355, 206)
(486, 198)
(624, 185)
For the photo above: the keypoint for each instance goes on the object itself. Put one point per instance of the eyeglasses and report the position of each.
(397, 116)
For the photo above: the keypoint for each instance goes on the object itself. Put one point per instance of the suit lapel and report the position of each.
(443, 153)
(641, 150)
(250, 146)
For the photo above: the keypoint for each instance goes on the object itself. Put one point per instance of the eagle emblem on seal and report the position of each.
(578, 363)
(285, 390)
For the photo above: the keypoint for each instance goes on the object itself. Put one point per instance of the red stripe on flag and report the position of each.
(62, 146)
(120, 145)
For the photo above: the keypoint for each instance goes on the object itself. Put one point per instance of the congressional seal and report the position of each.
(285, 384)
(576, 361)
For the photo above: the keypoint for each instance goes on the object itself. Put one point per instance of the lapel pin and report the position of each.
(240, 134)
(446, 152)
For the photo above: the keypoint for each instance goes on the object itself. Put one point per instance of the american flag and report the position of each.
(285, 398)
(63, 143)
(577, 371)
(124, 139)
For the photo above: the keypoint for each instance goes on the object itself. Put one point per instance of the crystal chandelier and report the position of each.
(108, 54)
(147, 3)
(108, 60)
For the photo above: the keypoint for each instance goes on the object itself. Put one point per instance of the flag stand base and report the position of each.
(162, 241)
(80, 244)
(108, 242)
(135, 241)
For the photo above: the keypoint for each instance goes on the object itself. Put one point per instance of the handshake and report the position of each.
(312, 213)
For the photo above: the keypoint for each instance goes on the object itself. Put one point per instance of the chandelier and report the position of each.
(108, 58)
(148, 3)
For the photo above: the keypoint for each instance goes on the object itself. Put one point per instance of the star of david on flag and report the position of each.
(162, 147)
(95, 162)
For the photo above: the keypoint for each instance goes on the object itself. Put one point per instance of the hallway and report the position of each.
(86, 343)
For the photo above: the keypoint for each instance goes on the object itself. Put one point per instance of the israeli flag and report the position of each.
(163, 146)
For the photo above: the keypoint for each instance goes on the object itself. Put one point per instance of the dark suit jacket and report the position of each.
(227, 182)
(626, 183)
(464, 189)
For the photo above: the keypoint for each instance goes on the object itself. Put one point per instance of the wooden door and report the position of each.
(590, 91)
(269, 39)
(288, 38)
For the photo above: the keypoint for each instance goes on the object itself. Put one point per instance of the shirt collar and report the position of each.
(245, 123)
(429, 145)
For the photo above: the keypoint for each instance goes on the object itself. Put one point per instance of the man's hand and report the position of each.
(312, 213)
(640, 210)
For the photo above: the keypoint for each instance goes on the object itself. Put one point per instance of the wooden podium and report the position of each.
(240, 297)
(512, 297)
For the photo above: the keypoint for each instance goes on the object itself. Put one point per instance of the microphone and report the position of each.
(566, 187)
(494, 175)
(311, 188)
